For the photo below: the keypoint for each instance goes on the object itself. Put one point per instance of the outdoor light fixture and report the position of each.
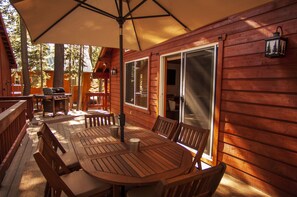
(113, 71)
(276, 45)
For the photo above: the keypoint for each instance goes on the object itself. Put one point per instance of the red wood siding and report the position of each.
(258, 135)
(7, 61)
(257, 125)
(5, 72)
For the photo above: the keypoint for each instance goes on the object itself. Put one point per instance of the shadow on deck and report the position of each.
(24, 179)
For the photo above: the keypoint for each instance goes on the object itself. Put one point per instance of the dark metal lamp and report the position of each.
(113, 71)
(276, 45)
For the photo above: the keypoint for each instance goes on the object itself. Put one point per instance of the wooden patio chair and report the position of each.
(193, 138)
(99, 119)
(165, 127)
(69, 158)
(77, 183)
(201, 183)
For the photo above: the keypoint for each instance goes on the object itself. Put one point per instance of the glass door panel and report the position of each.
(197, 105)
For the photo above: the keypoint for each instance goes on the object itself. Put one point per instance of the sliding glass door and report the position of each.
(197, 90)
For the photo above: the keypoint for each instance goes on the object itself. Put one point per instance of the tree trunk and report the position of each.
(24, 57)
(59, 66)
(78, 107)
(41, 66)
(70, 76)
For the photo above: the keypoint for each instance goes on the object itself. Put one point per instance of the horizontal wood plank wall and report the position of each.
(258, 124)
(5, 72)
(136, 116)
(258, 137)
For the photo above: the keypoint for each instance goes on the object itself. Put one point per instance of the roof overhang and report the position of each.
(7, 45)
(102, 68)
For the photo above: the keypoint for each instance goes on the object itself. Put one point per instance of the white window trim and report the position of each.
(148, 78)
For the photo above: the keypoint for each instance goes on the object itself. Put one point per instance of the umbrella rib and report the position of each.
(175, 18)
(152, 16)
(134, 28)
(135, 8)
(117, 6)
(40, 35)
(97, 10)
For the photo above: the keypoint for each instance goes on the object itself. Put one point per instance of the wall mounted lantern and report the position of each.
(113, 71)
(276, 45)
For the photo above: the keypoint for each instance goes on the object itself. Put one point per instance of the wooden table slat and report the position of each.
(126, 169)
(142, 164)
(110, 160)
(102, 165)
(154, 165)
(97, 165)
(114, 163)
(109, 165)
(174, 155)
(139, 172)
(163, 161)
(162, 167)
(97, 149)
(93, 151)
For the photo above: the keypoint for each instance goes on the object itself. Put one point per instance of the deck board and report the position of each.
(24, 179)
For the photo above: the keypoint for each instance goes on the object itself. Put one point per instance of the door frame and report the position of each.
(217, 93)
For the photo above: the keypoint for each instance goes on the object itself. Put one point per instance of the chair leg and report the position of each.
(47, 190)
(199, 165)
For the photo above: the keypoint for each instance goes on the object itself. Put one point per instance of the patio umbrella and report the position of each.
(129, 24)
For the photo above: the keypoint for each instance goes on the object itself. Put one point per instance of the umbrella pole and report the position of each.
(122, 115)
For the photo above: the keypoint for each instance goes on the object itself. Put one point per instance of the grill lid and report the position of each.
(49, 91)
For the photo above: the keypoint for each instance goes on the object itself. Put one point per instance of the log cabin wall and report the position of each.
(257, 104)
(137, 116)
(5, 72)
(7, 61)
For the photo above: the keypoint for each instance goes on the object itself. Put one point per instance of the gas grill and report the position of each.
(55, 100)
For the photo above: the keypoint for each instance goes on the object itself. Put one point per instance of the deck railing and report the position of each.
(29, 107)
(12, 130)
(98, 100)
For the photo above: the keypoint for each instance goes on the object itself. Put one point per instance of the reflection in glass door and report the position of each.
(197, 94)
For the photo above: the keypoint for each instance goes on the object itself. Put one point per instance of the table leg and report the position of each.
(123, 192)
(118, 191)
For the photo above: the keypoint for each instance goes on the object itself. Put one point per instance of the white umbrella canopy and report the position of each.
(129, 24)
(79, 22)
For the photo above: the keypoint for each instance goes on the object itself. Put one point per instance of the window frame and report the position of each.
(125, 83)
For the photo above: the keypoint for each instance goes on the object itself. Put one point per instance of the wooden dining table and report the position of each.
(110, 160)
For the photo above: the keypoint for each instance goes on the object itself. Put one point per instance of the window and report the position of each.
(137, 83)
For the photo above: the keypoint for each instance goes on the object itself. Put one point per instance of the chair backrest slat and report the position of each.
(200, 183)
(165, 127)
(193, 137)
(50, 138)
(99, 119)
(50, 165)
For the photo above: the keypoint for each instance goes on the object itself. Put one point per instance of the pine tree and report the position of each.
(24, 57)
(59, 66)
(35, 58)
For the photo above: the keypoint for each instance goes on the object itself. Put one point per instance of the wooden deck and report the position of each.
(24, 179)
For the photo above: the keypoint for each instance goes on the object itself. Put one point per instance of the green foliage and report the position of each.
(37, 56)
(12, 23)
(40, 57)
(94, 85)
(94, 54)
(72, 56)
